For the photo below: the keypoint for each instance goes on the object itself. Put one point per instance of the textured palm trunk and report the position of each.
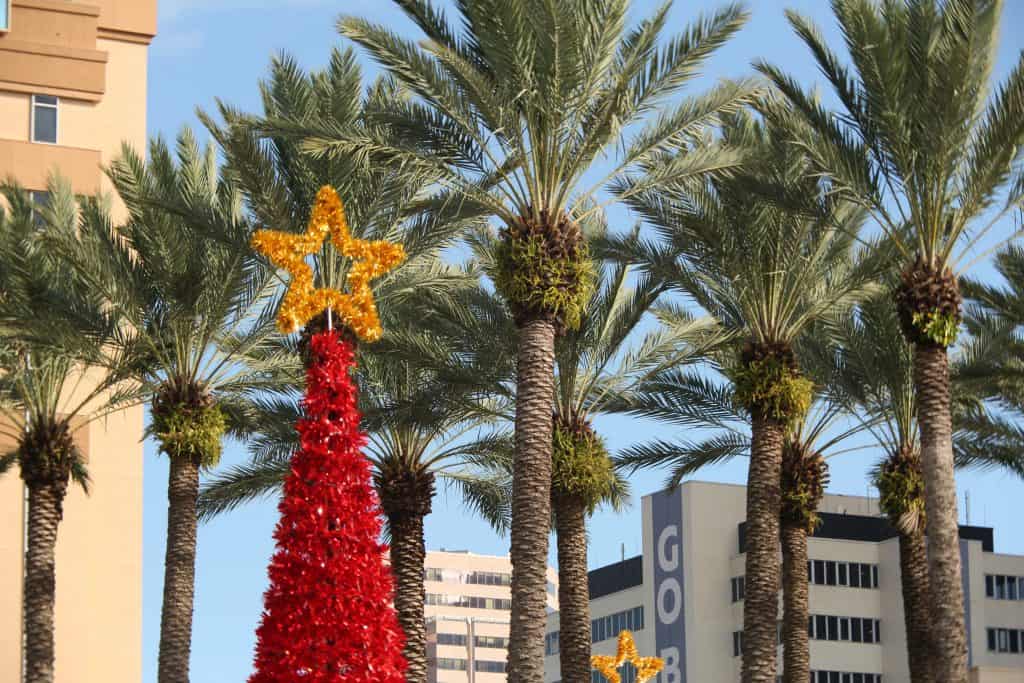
(573, 591)
(179, 571)
(408, 556)
(531, 500)
(931, 380)
(44, 514)
(914, 583)
(761, 601)
(796, 652)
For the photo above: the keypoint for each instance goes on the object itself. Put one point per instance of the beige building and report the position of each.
(72, 88)
(683, 597)
(467, 611)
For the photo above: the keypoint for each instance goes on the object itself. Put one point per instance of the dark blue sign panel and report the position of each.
(669, 624)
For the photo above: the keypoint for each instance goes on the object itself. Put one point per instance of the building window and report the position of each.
(40, 202)
(737, 643)
(5, 15)
(627, 674)
(489, 667)
(477, 578)
(1002, 587)
(491, 641)
(1005, 640)
(451, 639)
(844, 677)
(551, 644)
(450, 664)
(489, 579)
(852, 574)
(472, 601)
(612, 625)
(738, 588)
(850, 629)
(44, 118)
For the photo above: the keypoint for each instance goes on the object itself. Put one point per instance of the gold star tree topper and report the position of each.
(646, 667)
(303, 301)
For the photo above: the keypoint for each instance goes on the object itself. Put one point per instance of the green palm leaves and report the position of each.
(925, 143)
(516, 105)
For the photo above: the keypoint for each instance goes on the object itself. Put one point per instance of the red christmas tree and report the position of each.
(328, 615)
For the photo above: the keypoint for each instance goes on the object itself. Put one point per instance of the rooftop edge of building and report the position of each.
(849, 527)
(616, 577)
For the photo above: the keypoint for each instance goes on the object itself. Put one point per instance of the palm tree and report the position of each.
(195, 304)
(515, 102)
(595, 367)
(767, 253)
(687, 398)
(53, 383)
(422, 425)
(279, 180)
(925, 143)
(804, 478)
(874, 380)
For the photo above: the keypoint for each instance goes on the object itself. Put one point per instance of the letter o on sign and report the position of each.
(669, 589)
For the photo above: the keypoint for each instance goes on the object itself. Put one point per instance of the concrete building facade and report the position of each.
(72, 88)
(683, 597)
(468, 603)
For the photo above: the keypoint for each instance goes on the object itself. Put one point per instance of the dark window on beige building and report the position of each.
(44, 118)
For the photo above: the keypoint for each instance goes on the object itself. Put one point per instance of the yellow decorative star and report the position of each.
(303, 301)
(646, 667)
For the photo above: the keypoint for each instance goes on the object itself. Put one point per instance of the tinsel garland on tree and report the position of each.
(328, 614)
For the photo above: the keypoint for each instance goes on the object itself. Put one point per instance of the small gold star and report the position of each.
(646, 667)
(303, 301)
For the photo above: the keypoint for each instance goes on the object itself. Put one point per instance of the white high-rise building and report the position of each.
(683, 598)
(469, 598)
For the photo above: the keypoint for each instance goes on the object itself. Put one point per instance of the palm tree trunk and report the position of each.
(44, 514)
(761, 601)
(931, 380)
(179, 571)
(408, 556)
(796, 649)
(531, 500)
(914, 583)
(573, 590)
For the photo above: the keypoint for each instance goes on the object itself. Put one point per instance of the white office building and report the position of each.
(468, 606)
(683, 598)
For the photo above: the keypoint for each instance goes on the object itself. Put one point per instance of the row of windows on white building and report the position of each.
(470, 601)
(827, 627)
(825, 573)
(1002, 587)
(460, 639)
(1005, 640)
(603, 628)
(481, 665)
(474, 577)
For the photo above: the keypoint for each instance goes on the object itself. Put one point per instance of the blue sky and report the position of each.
(207, 49)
